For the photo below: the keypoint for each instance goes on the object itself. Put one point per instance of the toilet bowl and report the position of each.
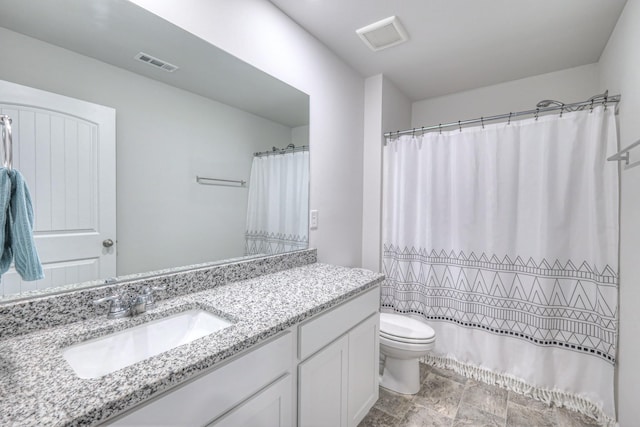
(403, 340)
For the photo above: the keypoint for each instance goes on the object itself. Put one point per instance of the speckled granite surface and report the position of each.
(133, 277)
(38, 387)
(21, 317)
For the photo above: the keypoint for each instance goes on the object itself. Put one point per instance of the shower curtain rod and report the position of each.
(542, 107)
(289, 149)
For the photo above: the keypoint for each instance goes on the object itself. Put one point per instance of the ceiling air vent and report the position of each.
(159, 63)
(383, 34)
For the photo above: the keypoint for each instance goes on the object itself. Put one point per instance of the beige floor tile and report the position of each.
(447, 373)
(486, 397)
(392, 403)
(447, 399)
(528, 401)
(440, 394)
(568, 418)
(424, 371)
(523, 416)
(418, 416)
(378, 418)
(475, 417)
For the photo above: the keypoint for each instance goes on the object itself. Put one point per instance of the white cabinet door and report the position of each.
(272, 407)
(322, 394)
(65, 148)
(363, 368)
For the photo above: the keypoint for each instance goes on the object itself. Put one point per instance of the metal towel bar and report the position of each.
(225, 182)
(623, 155)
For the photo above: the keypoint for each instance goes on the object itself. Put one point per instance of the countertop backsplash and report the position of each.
(25, 316)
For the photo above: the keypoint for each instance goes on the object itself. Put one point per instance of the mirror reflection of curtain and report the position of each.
(277, 212)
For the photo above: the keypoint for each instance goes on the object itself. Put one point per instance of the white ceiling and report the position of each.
(114, 31)
(456, 45)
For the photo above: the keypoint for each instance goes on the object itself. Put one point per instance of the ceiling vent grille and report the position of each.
(383, 34)
(158, 63)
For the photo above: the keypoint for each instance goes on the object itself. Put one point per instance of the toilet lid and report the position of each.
(405, 328)
(406, 340)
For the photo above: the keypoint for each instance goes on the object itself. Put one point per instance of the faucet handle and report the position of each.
(118, 307)
(148, 291)
(138, 305)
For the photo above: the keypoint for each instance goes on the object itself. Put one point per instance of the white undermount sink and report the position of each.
(100, 356)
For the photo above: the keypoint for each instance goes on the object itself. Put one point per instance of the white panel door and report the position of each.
(65, 148)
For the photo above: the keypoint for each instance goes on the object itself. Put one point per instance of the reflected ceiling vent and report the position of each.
(158, 63)
(383, 34)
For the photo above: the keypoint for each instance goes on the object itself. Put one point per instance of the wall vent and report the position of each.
(383, 34)
(159, 63)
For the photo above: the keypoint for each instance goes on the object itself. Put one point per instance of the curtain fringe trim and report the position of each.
(550, 397)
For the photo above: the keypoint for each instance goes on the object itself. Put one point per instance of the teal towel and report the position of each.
(5, 240)
(16, 219)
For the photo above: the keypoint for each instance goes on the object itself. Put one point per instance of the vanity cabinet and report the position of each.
(364, 359)
(338, 373)
(271, 407)
(322, 372)
(251, 384)
(323, 388)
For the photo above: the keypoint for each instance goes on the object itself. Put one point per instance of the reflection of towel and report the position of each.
(16, 220)
(5, 240)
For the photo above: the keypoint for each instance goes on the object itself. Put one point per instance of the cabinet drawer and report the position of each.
(326, 327)
(201, 400)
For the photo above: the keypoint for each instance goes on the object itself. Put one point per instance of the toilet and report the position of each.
(403, 340)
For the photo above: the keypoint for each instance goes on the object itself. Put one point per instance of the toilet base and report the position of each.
(401, 375)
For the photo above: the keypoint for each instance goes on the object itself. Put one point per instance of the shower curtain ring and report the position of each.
(422, 131)
(413, 134)
(459, 126)
(604, 102)
(440, 128)
(591, 108)
(509, 122)
(482, 122)
(561, 110)
(537, 111)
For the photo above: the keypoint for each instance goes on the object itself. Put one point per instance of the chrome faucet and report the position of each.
(118, 307)
(148, 297)
(139, 304)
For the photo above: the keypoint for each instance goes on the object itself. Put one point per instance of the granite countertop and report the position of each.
(38, 387)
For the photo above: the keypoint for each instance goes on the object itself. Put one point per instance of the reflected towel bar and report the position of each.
(623, 155)
(225, 182)
(7, 141)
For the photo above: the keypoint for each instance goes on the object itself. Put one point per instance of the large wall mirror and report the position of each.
(68, 64)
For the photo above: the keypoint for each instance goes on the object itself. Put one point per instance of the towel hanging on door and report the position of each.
(16, 227)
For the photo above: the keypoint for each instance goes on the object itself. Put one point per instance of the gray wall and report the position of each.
(386, 108)
(571, 85)
(165, 136)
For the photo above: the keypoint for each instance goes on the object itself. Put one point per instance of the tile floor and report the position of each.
(447, 399)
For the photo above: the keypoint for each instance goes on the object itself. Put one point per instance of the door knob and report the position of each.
(107, 243)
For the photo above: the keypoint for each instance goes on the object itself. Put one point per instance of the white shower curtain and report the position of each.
(505, 240)
(277, 211)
